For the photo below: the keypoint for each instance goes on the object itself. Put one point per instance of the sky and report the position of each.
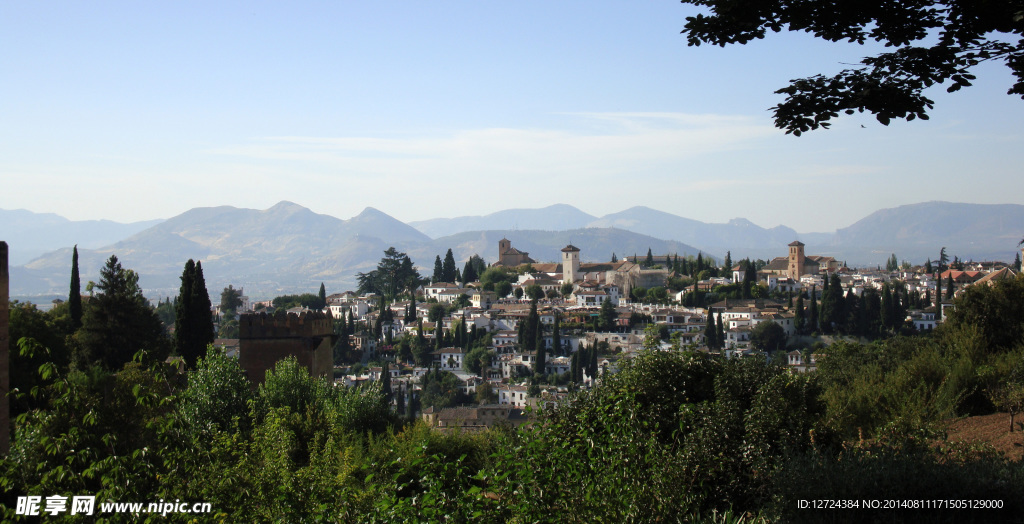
(134, 111)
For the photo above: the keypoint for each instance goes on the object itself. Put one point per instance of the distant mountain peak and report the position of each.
(286, 206)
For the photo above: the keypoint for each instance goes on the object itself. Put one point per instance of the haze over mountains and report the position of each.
(288, 248)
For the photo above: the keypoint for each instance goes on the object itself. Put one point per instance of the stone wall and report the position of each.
(266, 339)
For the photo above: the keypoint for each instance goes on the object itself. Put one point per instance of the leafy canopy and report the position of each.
(933, 42)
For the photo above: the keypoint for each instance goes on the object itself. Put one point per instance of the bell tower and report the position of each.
(796, 260)
(570, 263)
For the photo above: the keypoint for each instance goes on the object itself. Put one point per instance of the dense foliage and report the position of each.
(673, 436)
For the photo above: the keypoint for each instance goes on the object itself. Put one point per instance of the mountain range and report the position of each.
(288, 248)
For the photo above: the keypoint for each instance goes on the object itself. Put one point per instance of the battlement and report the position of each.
(285, 325)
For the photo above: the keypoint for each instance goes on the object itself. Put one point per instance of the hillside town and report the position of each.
(493, 342)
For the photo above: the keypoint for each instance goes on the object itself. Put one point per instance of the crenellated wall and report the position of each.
(266, 339)
(290, 325)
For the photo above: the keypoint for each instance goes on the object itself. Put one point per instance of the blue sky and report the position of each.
(133, 111)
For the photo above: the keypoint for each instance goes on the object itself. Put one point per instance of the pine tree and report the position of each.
(119, 321)
(75, 294)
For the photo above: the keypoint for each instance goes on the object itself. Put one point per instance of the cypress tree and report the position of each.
(886, 313)
(540, 363)
(700, 262)
(727, 263)
(438, 270)
(556, 338)
(938, 291)
(949, 287)
(322, 296)
(649, 261)
(711, 332)
(812, 311)
(193, 326)
(574, 368)
(720, 333)
(592, 371)
(75, 294)
(385, 379)
(400, 408)
(799, 320)
(448, 269)
(532, 326)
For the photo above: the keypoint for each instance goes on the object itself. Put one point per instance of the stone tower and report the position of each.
(796, 260)
(5, 362)
(265, 339)
(570, 263)
(503, 246)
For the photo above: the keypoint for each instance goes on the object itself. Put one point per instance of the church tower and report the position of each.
(570, 263)
(503, 246)
(796, 260)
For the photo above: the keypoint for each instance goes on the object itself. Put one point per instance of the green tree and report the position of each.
(768, 336)
(649, 261)
(928, 43)
(193, 326)
(323, 297)
(218, 394)
(799, 315)
(448, 269)
(230, 300)
(812, 311)
(119, 321)
(607, 316)
(534, 292)
(997, 311)
(711, 332)
(720, 332)
(950, 288)
(75, 294)
(438, 270)
(395, 274)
